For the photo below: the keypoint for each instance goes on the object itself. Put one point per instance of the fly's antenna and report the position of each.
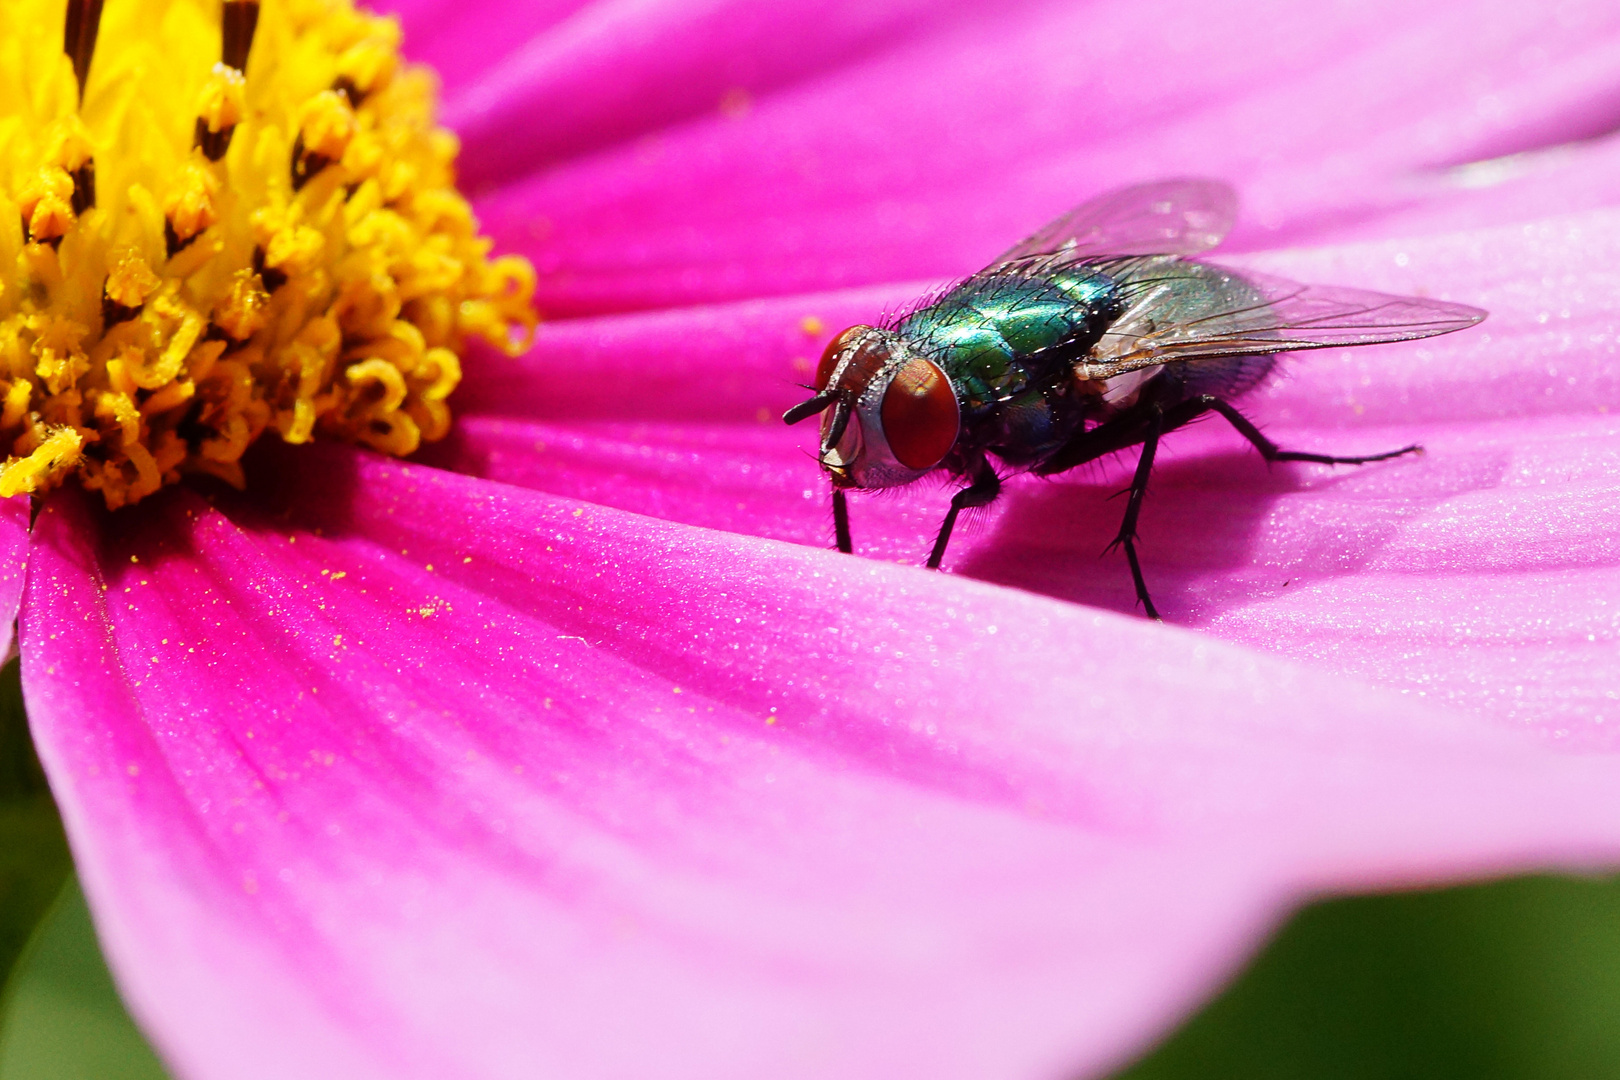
(804, 410)
(834, 396)
(840, 421)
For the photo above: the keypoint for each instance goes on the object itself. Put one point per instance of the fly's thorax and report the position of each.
(897, 416)
(1012, 330)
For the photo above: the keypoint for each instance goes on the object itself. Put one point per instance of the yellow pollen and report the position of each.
(247, 222)
(23, 474)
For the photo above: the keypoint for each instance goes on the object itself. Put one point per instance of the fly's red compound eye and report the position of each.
(829, 359)
(920, 415)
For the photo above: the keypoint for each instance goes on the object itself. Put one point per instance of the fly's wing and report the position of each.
(1166, 217)
(1230, 314)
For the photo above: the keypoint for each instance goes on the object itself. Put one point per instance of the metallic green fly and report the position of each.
(1098, 333)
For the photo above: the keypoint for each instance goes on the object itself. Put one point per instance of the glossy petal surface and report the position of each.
(13, 559)
(689, 803)
(893, 143)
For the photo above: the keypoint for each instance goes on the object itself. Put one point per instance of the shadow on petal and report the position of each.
(1219, 529)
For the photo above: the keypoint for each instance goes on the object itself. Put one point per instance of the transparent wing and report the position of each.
(1248, 314)
(1166, 217)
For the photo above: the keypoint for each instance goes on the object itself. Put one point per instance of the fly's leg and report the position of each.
(982, 491)
(1153, 428)
(1271, 452)
(841, 522)
(1145, 424)
(1157, 423)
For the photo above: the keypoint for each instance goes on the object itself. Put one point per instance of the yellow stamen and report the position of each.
(226, 220)
(223, 99)
(59, 450)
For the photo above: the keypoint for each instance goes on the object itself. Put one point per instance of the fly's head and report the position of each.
(888, 415)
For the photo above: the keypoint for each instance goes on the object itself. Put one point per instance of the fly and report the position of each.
(1098, 333)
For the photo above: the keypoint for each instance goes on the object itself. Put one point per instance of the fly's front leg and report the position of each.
(1153, 428)
(841, 522)
(982, 491)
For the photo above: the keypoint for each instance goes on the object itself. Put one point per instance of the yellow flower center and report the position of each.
(217, 219)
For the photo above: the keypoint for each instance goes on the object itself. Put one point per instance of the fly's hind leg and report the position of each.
(1270, 450)
(985, 486)
(1145, 424)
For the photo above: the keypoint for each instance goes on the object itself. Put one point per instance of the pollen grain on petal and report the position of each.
(228, 220)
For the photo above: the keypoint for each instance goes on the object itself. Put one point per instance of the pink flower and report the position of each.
(569, 750)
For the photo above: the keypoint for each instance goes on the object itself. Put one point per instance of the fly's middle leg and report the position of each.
(1158, 421)
(1154, 427)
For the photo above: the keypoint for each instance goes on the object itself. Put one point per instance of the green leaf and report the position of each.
(59, 1014)
(1515, 980)
(63, 1018)
(34, 859)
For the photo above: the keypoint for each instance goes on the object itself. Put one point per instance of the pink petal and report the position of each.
(436, 777)
(678, 414)
(616, 70)
(927, 153)
(462, 43)
(14, 513)
(1532, 185)
(1486, 575)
